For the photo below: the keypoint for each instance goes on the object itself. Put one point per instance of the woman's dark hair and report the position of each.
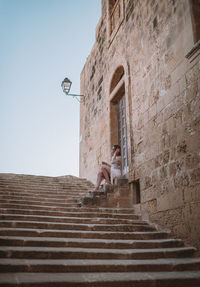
(116, 146)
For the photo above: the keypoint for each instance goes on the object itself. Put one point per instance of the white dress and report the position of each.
(115, 168)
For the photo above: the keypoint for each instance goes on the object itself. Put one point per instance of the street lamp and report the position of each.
(66, 86)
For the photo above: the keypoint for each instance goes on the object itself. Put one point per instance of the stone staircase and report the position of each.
(47, 238)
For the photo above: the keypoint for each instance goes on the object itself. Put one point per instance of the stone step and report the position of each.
(66, 203)
(44, 188)
(81, 213)
(46, 191)
(42, 206)
(89, 265)
(18, 178)
(89, 243)
(75, 226)
(109, 279)
(85, 220)
(28, 195)
(92, 253)
(38, 184)
(27, 232)
(69, 209)
(43, 185)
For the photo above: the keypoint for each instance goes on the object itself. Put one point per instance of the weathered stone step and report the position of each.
(92, 253)
(81, 213)
(86, 220)
(40, 187)
(17, 178)
(89, 265)
(45, 189)
(29, 195)
(51, 192)
(48, 186)
(115, 279)
(69, 209)
(89, 243)
(75, 226)
(66, 203)
(37, 207)
(42, 206)
(45, 186)
(82, 234)
(37, 184)
(37, 199)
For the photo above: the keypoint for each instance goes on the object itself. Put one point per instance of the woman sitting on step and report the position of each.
(109, 172)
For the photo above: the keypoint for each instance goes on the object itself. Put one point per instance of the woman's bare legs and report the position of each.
(100, 177)
(106, 175)
(103, 174)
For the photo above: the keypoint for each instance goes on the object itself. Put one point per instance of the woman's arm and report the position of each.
(116, 153)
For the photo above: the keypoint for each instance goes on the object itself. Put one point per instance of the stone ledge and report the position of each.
(118, 195)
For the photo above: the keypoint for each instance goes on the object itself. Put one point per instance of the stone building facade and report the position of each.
(141, 83)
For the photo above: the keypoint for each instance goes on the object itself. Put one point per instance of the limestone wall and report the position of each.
(162, 90)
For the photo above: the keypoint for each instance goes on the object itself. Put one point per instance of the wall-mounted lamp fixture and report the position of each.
(66, 86)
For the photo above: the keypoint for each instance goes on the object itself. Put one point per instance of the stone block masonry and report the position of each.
(140, 53)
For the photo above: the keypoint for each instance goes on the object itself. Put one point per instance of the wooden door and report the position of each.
(122, 132)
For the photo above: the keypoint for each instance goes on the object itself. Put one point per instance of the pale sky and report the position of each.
(41, 43)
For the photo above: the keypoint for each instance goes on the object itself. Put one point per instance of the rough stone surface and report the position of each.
(141, 52)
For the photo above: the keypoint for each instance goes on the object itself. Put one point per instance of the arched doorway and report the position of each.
(118, 124)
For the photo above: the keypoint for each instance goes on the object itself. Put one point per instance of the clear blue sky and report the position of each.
(41, 43)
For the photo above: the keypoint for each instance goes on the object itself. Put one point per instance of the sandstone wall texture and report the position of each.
(148, 50)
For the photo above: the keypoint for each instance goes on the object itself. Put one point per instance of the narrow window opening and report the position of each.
(195, 9)
(155, 22)
(135, 189)
(116, 15)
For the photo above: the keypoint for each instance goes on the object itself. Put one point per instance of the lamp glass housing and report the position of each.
(66, 85)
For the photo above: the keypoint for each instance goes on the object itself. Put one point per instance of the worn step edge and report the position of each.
(27, 217)
(44, 189)
(76, 226)
(129, 224)
(64, 213)
(89, 265)
(69, 203)
(38, 206)
(59, 193)
(32, 198)
(93, 253)
(117, 279)
(47, 193)
(82, 233)
(89, 243)
(44, 185)
(97, 209)
(27, 196)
